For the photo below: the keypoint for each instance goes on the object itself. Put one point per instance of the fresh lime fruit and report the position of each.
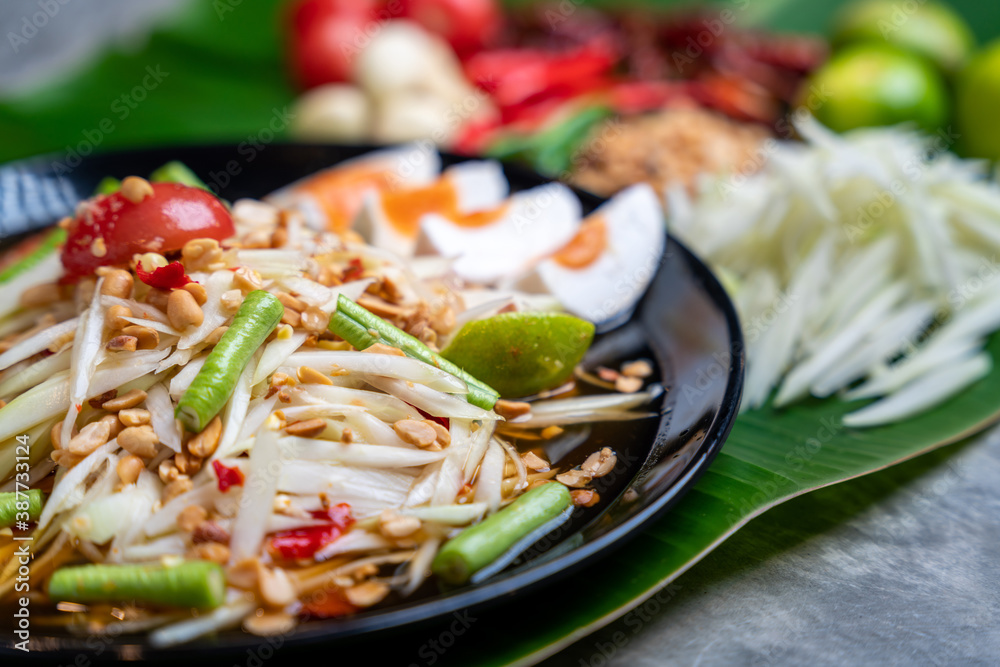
(875, 84)
(977, 99)
(520, 354)
(931, 29)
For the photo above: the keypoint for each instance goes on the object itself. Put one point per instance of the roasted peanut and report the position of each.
(584, 497)
(198, 254)
(168, 471)
(269, 623)
(276, 588)
(308, 428)
(128, 469)
(574, 478)
(640, 368)
(56, 435)
(209, 531)
(117, 282)
(291, 318)
(213, 551)
(139, 440)
(231, 300)
(289, 301)
(414, 432)
(191, 517)
(65, 459)
(203, 445)
(197, 290)
(309, 375)
(511, 409)
(187, 464)
(114, 424)
(394, 525)
(247, 280)
(183, 311)
(135, 189)
(147, 338)
(129, 399)
(114, 318)
(314, 320)
(628, 385)
(122, 344)
(600, 463)
(443, 435)
(533, 461)
(175, 488)
(134, 416)
(366, 594)
(91, 437)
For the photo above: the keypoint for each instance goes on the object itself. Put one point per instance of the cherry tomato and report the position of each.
(111, 228)
(468, 25)
(326, 37)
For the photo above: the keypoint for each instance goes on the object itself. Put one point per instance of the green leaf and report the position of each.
(206, 75)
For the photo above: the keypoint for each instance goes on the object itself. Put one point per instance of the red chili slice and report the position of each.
(305, 542)
(227, 476)
(167, 277)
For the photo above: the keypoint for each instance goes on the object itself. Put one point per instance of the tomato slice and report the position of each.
(305, 542)
(110, 228)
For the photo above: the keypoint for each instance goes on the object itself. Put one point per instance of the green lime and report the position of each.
(977, 99)
(520, 354)
(869, 84)
(931, 29)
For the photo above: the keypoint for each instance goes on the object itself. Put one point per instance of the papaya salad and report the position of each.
(252, 413)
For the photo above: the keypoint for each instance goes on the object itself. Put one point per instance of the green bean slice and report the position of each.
(193, 583)
(211, 388)
(478, 546)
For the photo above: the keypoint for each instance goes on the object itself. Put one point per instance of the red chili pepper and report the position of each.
(354, 270)
(513, 76)
(475, 135)
(629, 97)
(227, 476)
(167, 277)
(305, 542)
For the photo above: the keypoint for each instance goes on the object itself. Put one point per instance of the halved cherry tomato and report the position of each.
(326, 37)
(468, 25)
(110, 228)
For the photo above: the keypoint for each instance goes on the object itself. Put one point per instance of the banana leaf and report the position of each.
(214, 73)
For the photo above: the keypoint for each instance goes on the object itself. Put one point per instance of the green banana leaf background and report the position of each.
(214, 72)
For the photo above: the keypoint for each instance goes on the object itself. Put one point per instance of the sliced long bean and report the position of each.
(46, 247)
(478, 546)
(16, 502)
(361, 328)
(215, 382)
(194, 583)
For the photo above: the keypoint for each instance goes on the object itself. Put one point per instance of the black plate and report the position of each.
(685, 320)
